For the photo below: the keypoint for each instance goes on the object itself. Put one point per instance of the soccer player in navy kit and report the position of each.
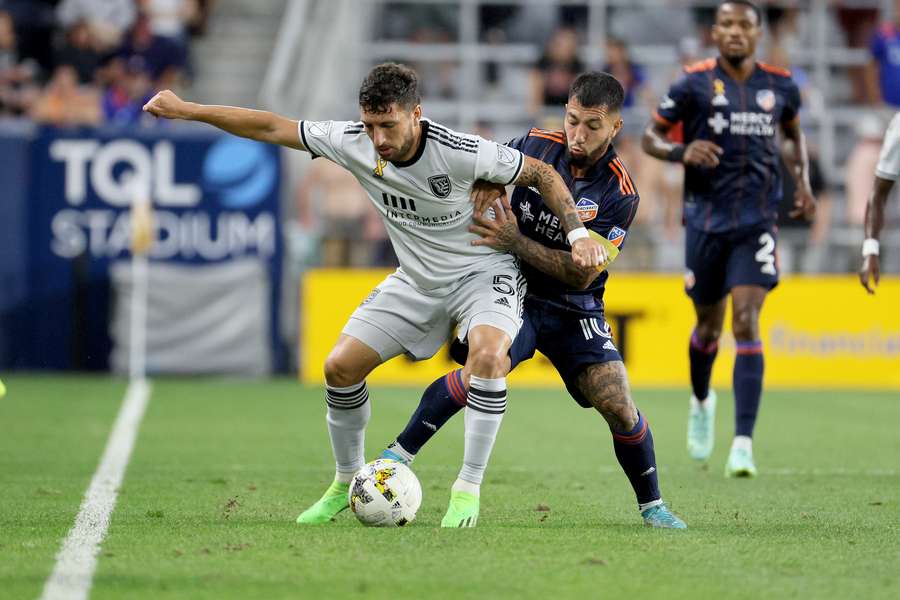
(563, 315)
(731, 107)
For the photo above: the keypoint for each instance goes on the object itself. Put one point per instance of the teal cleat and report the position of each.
(462, 512)
(661, 517)
(389, 454)
(333, 501)
(701, 427)
(740, 463)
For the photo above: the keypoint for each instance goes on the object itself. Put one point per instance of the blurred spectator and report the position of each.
(17, 88)
(107, 19)
(555, 71)
(65, 103)
(331, 202)
(163, 60)
(885, 66)
(170, 18)
(79, 52)
(860, 165)
(619, 65)
(803, 245)
(858, 19)
(130, 87)
(197, 25)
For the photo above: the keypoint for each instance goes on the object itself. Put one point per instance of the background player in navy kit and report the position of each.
(730, 108)
(564, 316)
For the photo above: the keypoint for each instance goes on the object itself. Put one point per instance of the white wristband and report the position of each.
(577, 234)
(870, 247)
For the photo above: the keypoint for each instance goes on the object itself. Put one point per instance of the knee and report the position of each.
(708, 331)
(620, 413)
(745, 323)
(488, 362)
(339, 372)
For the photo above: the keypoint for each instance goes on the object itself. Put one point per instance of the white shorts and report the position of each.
(400, 318)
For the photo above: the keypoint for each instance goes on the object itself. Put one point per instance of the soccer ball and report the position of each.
(385, 493)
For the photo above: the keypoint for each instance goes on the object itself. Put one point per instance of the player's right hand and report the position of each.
(870, 273)
(702, 153)
(484, 194)
(167, 105)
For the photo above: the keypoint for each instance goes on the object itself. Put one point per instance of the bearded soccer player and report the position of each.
(418, 175)
(564, 310)
(731, 107)
(886, 173)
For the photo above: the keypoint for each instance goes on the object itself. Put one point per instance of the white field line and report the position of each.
(77, 559)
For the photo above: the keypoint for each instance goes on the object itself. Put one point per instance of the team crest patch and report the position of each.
(587, 209)
(616, 236)
(320, 128)
(440, 185)
(765, 99)
(719, 98)
(505, 155)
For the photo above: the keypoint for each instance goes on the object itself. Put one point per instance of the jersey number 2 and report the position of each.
(766, 254)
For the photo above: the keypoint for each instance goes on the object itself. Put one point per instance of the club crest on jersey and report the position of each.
(587, 209)
(320, 128)
(616, 236)
(440, 185)
(719, 98)
(765, 99)
(505, 155)
(380, 164)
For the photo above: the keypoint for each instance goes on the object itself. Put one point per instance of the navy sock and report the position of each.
(634, 449)
(702, 358)
(442, 399)
(747, 382)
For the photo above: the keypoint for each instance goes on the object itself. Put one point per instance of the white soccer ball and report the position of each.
(385, 493)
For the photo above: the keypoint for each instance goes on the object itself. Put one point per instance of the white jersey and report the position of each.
(424, 201)
(889, 161)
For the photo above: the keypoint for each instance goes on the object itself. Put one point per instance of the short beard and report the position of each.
(735, 61)
(577, 161)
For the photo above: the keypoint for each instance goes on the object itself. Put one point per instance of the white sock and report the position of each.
(742, 442)
(460, 485)
(402, 452)
(483, 415)
(348, 414)
(646, 505)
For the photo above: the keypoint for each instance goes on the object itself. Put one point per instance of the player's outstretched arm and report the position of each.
(586, 252)
(257, 125)
(870, 272)
(502, 233)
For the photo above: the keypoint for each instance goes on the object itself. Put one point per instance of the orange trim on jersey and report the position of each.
(547, 133)
(660, 119)
(626, 174)
(625, 184)
(546, 137)
(698, 67)
(773, 69)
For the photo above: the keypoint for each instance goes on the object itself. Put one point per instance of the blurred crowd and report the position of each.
(90, 62)
(670, 37)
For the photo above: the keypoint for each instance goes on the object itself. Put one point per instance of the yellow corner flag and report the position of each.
(142, 230)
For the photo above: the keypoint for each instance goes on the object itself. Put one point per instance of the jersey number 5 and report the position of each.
(503, 286)
(766, 254)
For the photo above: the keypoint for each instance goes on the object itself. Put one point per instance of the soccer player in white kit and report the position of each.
(886, 173)
(418, 175)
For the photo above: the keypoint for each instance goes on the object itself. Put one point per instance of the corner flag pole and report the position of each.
(142, 238)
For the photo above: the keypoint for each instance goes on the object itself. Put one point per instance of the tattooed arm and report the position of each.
(502, 233)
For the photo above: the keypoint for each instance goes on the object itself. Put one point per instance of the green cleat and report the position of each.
(701, 427)
(740, 463)
(333, 501)
(661, 517)
(462, 512)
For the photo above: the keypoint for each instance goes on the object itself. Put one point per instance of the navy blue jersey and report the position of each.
(606, 200)
(742, 117)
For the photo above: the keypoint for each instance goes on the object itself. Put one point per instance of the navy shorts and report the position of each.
(717, 262)
(572, 340)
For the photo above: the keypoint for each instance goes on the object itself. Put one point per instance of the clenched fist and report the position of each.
(167, 105)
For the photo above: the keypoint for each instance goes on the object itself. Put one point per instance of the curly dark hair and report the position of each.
(596, 88)
(386, 84)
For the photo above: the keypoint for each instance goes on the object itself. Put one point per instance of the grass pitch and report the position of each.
(221, 469)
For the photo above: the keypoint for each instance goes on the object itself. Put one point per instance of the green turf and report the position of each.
(221, 469)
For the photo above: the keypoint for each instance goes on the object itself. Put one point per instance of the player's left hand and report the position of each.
(870, 273)
(501, 232)
(484, 194)
(588, 252)
(804, 204)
